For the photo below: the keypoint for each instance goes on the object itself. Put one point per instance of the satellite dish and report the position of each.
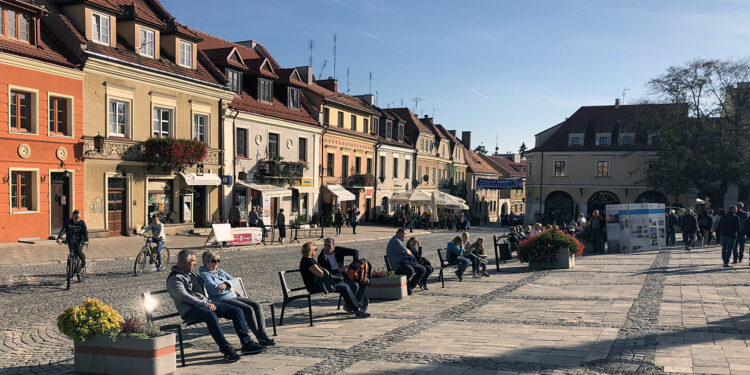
(425, 178)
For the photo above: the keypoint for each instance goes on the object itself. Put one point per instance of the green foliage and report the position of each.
(92, 318)
(176, 154)
(480, 150)
(315, 219)
(522, 149)
(543, 247)
(302, 219)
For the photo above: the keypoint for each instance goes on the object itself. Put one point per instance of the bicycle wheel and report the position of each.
(164, 258)
(68, 273)
(140, 262)
(81, 274)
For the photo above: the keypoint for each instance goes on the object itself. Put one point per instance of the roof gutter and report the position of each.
(154, 70)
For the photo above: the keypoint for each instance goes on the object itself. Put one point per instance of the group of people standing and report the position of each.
(255, 219)
(351, 220)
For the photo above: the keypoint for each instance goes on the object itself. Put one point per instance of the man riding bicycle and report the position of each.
(76, 234)
(157, 235)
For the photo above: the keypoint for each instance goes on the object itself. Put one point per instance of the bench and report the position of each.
(502, 251)
(151, 304)
(291, 284)
(443, 264)
(387, 263)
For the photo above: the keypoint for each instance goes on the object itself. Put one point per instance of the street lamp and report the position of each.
(98, 143)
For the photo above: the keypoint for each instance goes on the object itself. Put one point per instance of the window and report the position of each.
(58, 116)
(433, 175)
(18, 25)
(100, 28)
(302, 144)
(235, 84)
(242, 142)
(295, 200)
(419, 173)
(303, 198)
(421, 144)
(369, 165)
(20, 111)
(293, 97)
(381, 130)
(400, 132)
(340, 119)
(264, 90)
(344, 166)
(21, 191)
(365, 126)
(395, 167)
(407, 170)
(330, 164)
(147, 42)
(627, 140)
(575, 141)
(273, 145)
(186, 54)
(603, 141)
(119, 118)
(653, 139)
(357, 165)
(602, 168)
(199, 127)
(389, 129)
(561, 168)
(354, 122)
(382, 166)
(162, 122)
(326, 115)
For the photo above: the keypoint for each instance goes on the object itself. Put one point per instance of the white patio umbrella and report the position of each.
(414, 196)
(433, 206)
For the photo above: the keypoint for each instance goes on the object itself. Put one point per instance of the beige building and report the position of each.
(511, 166)
(484, 203)
(396, 160)
(143, 79)
(432, 152)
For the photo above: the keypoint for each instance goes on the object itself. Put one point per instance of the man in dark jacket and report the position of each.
(689, 228)
(738, 251)
(597, 227)
(729, 225)
(672, 224)
(76, 235)
(332, 259)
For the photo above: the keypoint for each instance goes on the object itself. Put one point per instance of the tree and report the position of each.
(522, 149)
(702, 142)
(481, 150)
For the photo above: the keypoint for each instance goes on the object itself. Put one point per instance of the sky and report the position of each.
(504, 70)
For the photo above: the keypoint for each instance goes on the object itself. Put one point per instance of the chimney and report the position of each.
(248, 43)
(329, 83)
(367, 98)
(305, 73)
(617, 103)
(466, 139)
(453, 132)
(516, 158)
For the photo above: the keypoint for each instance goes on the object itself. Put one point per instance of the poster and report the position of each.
(617, 222)
(641, 226)
(246, 236)
(266, 210)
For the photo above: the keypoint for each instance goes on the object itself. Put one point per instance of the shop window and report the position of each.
(21, 191)
(303, 199)
(160, 198)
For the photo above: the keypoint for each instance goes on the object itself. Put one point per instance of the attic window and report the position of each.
(17, 25)
(234, 57)
(186, 54)
(235, 81)
(293, 94)
(266, 66)
(147, 42)
(575, 141)
(264, 90)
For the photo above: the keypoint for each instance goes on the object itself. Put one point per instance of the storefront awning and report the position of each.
(207, 179)
(270, 191)
(340, 192)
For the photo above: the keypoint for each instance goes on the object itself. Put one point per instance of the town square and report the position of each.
(351, 187)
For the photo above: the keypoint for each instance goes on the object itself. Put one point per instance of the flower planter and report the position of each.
(565, 260)
(126, 355)
(387, 288)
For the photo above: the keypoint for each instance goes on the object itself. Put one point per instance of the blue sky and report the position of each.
(512, 68)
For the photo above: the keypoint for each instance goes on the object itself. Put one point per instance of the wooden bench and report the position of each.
(154, 300)
(502, 251)
(293, 288)
(443, 264)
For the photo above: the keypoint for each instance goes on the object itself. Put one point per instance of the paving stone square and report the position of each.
(612, 313)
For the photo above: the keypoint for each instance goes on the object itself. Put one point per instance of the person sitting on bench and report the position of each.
(403, 261)
(454, 251)
(332, 260)
(221, 287)
(319, 280)
(188, 292)
(416, 249)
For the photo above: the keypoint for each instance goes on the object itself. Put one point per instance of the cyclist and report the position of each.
(157, 235)
(77, 236)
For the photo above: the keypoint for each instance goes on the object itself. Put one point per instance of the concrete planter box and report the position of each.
(387, 288)
(565, 260)
(126, 355)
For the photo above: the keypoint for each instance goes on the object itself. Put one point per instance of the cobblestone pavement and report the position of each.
(653, 312)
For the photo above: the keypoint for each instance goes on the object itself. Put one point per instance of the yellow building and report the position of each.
(511, 167)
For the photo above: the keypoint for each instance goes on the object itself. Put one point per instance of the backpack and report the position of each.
(359, 271)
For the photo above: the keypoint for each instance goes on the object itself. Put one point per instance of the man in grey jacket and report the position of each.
(189, 295)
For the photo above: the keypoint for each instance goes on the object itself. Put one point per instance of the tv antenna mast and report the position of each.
(624, 91)
(348, 82)
(334, 56)
(433, 111)
(416, 101)
(376, 97)
(311, 46)
(497, 137)
(370, 82)
(322, 68)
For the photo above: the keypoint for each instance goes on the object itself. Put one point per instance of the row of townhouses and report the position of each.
(116, 109)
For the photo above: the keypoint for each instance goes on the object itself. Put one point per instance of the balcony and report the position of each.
(277, 171)
(360, 180)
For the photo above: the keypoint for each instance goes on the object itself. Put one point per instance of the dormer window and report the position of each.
(148, 43)
(575, 141)
(186, 54)
(389, 129)
(235, 81)
(100, 28)
(17, 25)
(400, 132)
(627, 140)
(264, 90)
(603, 141)
(293, 94)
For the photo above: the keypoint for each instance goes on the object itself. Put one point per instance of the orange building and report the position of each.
(41, 112)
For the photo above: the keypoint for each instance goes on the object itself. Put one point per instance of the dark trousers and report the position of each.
(688, 238)
(727, 243)
(738, 250)
(354, 227)
(338, 229)
(474, 262)
(596, 238)
(77, 248)
(671, 238)
(357, 289)
(211, 318)
(706, 234)
(253, 315)
(415, 274)
(349, 296)
(462, 263)
(282, 231)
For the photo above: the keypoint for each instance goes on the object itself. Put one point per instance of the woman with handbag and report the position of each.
(416, 249)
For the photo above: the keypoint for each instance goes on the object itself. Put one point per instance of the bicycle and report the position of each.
(73, 267)
(149, 252)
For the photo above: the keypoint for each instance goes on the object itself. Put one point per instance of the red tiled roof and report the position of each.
(448, 134)
(286, 76)
(513, 168)
(254, 67)
(220, 57)
(477, 164)
(104, 4)
(344, 99)
(50, 49)
(141, 11)
(410, 118)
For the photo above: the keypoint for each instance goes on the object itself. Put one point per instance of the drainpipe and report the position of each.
(375, 189)
(221, 157)
(234, 154)
(320, 169)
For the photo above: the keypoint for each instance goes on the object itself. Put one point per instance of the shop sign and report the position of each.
(246, 236)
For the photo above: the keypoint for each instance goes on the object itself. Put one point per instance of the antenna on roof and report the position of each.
(312, 46)
(402, 102)
(393, 103)
(376, 97)
(497, 137)
(371, 82)
(347, 81)
(625, 90)
(433, 111)
(416, 101)
(322, 69)
(334, 56)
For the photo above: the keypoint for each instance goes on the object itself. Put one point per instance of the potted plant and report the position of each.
(315, 220)
(105, 343)
(387, 285)
(550, 249)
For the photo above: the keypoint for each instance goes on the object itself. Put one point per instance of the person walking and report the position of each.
(76, 235)
(738, 251)
(672, 224)
(355, 219)
(338, 221)
(704, 226)
(729, 225)
(281, 225)
(689, 228)
(252, 217)
(715, 220)
(235, 215)
(348, 215)
(597, 226)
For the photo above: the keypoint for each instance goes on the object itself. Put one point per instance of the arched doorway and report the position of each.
(384, 205)
(652, 196)
(600, 200)
(504, 209)
(559, 207)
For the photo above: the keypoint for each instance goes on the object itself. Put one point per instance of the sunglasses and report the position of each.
(215, 260)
